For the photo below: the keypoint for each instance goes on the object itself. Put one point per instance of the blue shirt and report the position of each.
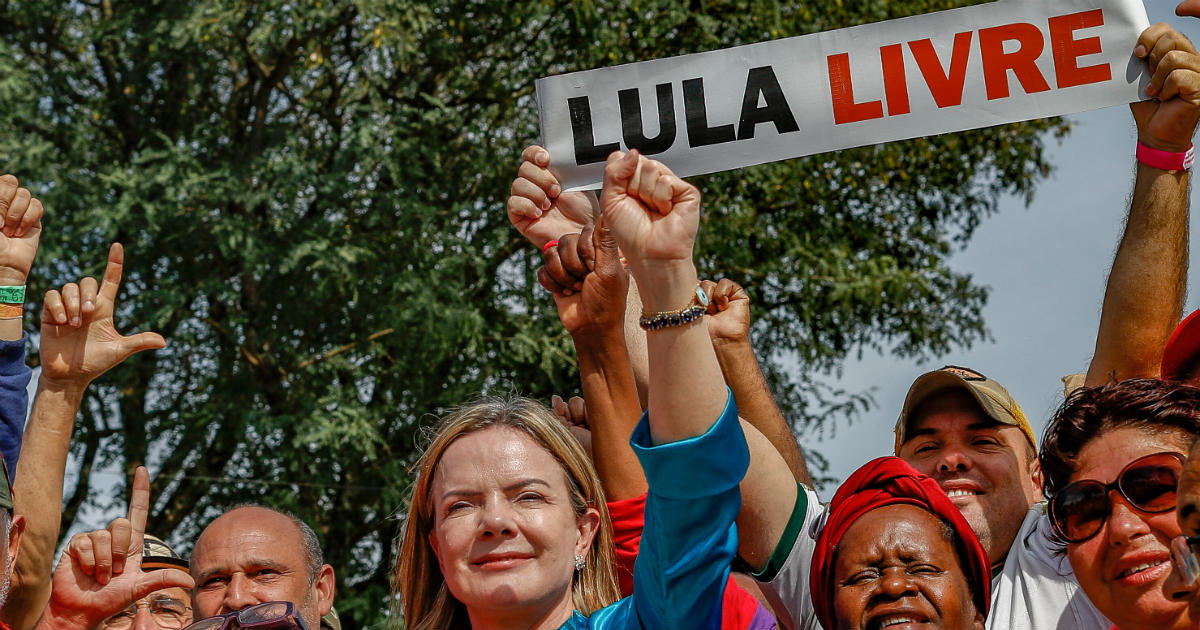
(690, 537)
(14, 401)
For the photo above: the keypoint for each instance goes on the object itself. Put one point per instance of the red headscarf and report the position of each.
(891, 481)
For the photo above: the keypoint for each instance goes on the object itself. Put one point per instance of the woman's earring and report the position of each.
(579, 563)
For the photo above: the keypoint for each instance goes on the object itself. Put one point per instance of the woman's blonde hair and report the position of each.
(421, 588)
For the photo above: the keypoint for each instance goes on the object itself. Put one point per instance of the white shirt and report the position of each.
(1037, 588)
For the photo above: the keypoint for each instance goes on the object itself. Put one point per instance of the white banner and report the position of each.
(978, 66)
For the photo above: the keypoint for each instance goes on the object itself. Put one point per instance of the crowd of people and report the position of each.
(673, 493)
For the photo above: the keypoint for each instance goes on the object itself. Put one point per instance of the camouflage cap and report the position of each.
(157, 554)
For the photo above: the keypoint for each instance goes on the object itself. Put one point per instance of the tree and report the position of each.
(312, 199)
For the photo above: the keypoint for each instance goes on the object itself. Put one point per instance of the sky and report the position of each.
(1046, 266)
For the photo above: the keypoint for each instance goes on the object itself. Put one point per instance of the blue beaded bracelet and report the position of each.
(670, 319)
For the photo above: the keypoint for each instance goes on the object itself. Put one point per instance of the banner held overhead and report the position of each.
(978, 66)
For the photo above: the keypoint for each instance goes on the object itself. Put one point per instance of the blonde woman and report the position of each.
(507, 526)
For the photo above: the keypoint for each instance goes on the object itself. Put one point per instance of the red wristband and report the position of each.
(1166, 160)
(549, 244)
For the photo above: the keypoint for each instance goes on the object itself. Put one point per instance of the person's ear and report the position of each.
(325, 588)
(1035, 472)
(588, 524)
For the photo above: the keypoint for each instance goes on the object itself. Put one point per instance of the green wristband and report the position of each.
(12, 295)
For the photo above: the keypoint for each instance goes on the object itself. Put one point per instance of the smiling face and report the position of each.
(1124, 567)
(895, 569)
(505, 531)
(986, 468)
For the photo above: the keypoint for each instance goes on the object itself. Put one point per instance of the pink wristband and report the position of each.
(1166, 160)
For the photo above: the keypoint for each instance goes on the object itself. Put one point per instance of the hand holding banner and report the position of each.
(937, 73)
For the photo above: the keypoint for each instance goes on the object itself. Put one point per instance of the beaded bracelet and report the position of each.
(686, 315)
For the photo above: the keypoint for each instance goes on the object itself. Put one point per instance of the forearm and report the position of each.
(39, 495)
(687, 391)
(757, 405)
(635, 345)
(613, 411)
(1145, 291)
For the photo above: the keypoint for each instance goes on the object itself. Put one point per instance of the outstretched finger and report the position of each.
(112, 274)
(1188, 8)
(134, 344)
(150, 581)
(139, 510)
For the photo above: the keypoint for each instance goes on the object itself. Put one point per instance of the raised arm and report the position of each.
(538, 207)
(594, 316)
(1145, 290)
(729, 328)
(79, 343)
(20, 234)
(655, 217)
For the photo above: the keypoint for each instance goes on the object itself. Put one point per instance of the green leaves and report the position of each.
(312, 199)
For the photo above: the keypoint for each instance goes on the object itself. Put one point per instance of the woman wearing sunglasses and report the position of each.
(1111, 459)
(507, 525)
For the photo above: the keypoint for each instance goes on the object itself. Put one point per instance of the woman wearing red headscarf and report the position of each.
(896, 552)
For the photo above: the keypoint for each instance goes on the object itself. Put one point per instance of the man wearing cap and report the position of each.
(166, 609)
(966, 431)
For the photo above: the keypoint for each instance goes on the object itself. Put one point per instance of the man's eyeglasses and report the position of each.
(1148, 483)
(268, 616)
(167, 612)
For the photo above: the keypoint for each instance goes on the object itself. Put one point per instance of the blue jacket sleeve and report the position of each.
(14, 401)
(690, 537)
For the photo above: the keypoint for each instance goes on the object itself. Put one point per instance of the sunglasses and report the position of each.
(1148, 484)
(268, 616)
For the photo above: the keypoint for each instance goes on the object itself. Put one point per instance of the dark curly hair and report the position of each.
(1093, 411)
